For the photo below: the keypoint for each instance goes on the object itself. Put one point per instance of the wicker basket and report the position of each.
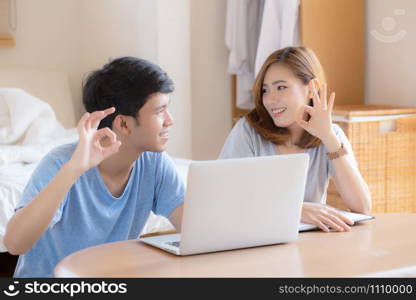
(383, 139)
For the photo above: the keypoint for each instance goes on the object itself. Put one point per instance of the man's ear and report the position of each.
(121, 124)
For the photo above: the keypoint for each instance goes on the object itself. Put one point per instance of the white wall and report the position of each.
(78, 36)
(173, 45)
(107, 31)
(186, 37)
(211, 98)
(391, 66)
(47, 37)
(154, 30)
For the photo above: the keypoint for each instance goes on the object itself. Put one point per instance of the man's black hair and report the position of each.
(125, 83)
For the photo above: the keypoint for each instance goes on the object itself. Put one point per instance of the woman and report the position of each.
(292, 115)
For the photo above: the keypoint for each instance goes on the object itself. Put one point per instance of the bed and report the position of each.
(36, 115)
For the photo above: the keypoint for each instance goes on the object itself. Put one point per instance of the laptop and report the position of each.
(239, 203)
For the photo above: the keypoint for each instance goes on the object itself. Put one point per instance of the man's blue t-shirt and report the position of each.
(89, 215)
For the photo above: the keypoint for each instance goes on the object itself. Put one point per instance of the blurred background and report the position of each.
(187, 38)
(211, 50)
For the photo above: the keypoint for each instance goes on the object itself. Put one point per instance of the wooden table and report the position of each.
(384, 246)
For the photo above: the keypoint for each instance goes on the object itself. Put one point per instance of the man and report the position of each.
(102, 188)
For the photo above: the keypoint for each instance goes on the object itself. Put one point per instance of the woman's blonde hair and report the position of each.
(306, 66)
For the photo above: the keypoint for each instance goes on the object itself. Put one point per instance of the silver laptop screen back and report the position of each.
(237, 203)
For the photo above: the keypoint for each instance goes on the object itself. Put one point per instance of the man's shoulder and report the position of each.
(152, 157)
(61, 154)
(149, 157)
(64, 150)
(156, 161)
(56, 157)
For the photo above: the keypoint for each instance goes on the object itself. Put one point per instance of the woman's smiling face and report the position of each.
(283, 95)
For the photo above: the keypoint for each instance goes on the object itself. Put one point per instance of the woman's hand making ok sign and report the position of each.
(320, 122)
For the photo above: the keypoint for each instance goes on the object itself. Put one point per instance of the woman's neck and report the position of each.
(296, 133)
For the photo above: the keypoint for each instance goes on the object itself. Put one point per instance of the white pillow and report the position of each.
(47, 85)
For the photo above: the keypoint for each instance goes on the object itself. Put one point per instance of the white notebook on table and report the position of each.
(350, 215)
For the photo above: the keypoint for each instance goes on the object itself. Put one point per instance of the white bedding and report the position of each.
(12, 182)
(26, 135)
(28, 130)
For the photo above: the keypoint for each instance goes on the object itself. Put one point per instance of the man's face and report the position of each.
(154, 121)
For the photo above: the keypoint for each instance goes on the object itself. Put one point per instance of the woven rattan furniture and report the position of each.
(383, 139)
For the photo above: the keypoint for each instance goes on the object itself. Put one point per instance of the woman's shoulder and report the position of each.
(336, 127)
(242, 125)
(241, 141)
(339, 132)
